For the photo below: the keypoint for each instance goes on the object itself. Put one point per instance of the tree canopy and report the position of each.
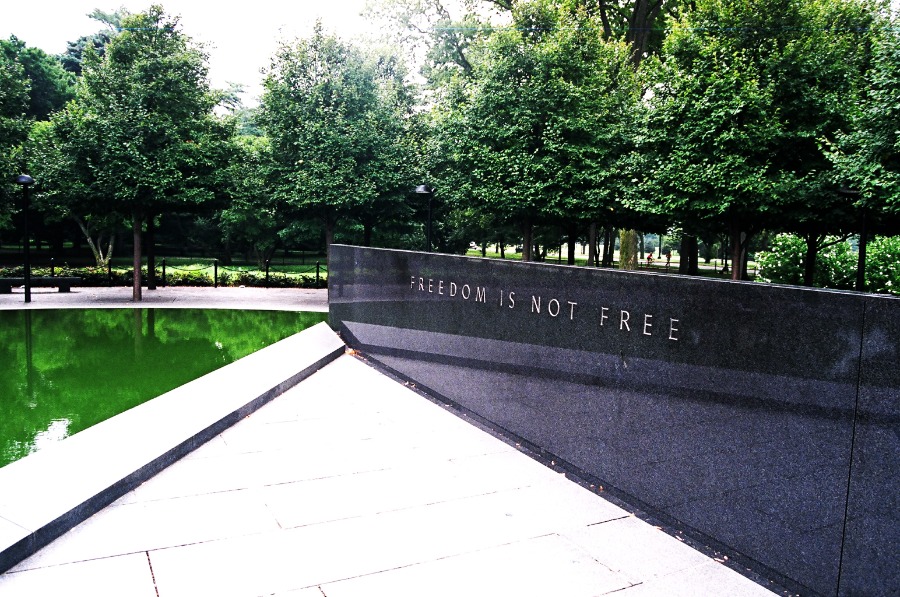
(335, 119)
(535, 122)
(136, 129)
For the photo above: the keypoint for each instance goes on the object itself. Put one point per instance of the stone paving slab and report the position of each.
(350, 484)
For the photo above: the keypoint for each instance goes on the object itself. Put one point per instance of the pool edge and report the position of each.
(32, 514)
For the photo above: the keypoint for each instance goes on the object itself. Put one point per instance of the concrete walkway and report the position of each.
(351, 484)
(281, 299)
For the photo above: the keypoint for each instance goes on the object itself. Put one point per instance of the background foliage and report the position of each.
(738, 127)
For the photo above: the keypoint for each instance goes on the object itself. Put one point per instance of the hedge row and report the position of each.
(98, 276)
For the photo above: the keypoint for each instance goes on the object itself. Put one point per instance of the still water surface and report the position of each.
(62, 371)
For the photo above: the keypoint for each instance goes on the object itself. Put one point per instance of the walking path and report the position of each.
(279, 299)
(351, 484)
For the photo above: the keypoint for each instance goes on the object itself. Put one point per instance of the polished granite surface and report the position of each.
(731, 409)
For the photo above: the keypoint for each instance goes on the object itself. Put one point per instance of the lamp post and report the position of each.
(423, 189)
(26, 181)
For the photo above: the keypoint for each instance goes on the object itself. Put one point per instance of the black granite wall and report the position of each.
(766, 418)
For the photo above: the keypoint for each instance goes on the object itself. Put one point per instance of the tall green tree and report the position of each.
(67, 190)
(744, 92)
(253, 219)
(73, 58)
(140, 121)
(50, 86)
(441, 32)
(14, 88)
(867, 152)
(536, 132)
(334, 130)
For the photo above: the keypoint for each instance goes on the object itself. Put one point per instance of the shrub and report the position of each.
(101, 276)
(835, 265)
(783, 262)
(883, 265)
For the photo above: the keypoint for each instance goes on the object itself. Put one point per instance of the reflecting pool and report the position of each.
(62, 371)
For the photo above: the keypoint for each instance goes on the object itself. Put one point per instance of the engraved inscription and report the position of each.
(642, 324)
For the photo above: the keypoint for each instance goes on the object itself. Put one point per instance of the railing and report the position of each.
(211, 273)
(288, 272)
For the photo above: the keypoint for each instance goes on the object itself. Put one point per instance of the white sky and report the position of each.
(240, 38)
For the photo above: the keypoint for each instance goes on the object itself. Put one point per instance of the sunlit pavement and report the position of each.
(351, 484)
(285, 299)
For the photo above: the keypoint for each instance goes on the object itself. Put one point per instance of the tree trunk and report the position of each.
(527, 241)
(572, 239)
(628, 250)
(367, 234)
(136, 262)
(739, 241)
(109, 250)
(329, 233)
(96, 247)
(592, 244)
(690, 256)
(683, 251)
(609, 246)
(861, 262)
(149, 241)
(693, 256)
(809, 261)
(640, 26)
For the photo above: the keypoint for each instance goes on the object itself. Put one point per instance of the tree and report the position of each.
(50, 85)
(66, 178)
(443, 37)
(73, 57)
(744, 91)
(867, 152)
(14, 87)
(141, 117)
(334, 130)
(533, 134)
(253, 218)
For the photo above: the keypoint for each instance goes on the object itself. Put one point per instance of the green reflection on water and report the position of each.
(62, 371)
